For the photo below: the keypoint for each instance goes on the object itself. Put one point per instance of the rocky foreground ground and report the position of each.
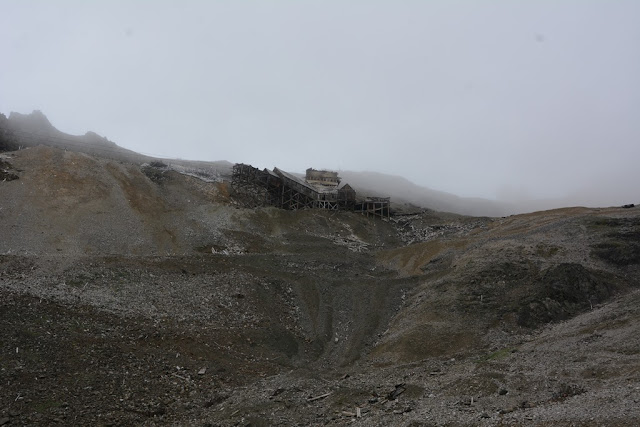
(138, 296)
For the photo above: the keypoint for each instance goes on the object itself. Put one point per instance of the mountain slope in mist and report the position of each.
(30, 130)
(401, 190)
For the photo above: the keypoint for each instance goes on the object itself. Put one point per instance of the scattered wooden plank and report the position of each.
(180, 376)
(322, 396)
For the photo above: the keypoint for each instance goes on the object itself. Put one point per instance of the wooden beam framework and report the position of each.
(376, 207)
(253, 187)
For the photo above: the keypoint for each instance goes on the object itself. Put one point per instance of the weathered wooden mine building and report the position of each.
(320, 189)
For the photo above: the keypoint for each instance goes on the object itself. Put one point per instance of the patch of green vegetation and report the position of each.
(79, 280)
(563, 291)
(617, 252)
(497, 355)
(46, 405)
(483, 384)
(546, 251)
(621, 240)
(605, 222)
(628, 351)
(619, 226)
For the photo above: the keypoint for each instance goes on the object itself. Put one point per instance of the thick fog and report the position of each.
(502, 100)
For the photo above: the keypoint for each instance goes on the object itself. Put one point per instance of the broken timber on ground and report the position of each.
(254, 187)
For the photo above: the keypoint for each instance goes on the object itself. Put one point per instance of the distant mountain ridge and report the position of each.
(402, 190)
(30, 130)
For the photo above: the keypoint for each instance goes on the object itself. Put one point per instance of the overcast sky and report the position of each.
(491, 99)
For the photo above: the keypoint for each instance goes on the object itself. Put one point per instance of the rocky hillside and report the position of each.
(30, 130)
(403, 191)
(138, 294)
